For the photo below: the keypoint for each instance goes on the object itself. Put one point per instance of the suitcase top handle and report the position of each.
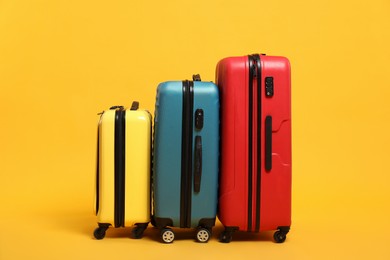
(196, 77)
(134, 105)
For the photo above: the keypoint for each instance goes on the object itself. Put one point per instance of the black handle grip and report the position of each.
(134, 105)
(198, 163)
(196, 77)
(268, 143)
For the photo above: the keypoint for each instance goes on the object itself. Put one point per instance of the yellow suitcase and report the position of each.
(122, 196)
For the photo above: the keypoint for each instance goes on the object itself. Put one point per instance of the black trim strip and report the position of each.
(259, 122)
(250, 146)
(189, 165)
(184, 138)
(120, 130)
(97, 167)
(186, 155)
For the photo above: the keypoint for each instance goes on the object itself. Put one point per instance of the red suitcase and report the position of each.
(255, 179)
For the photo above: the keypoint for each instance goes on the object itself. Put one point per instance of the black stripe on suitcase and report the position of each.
(186, 155)
(254, 72)
(120, 133)
(97, 169)
(250, 126)
(258, 184)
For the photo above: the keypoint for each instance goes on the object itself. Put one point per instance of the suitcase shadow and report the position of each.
(241, 236)
(83, 222)
(265, 236)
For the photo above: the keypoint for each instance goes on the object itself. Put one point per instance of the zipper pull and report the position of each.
(254, 70)
(252, 65)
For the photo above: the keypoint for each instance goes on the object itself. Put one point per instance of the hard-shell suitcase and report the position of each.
(123, 170)
(185, 157)
(255, 181)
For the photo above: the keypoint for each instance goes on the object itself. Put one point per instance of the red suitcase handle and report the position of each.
(268, 143)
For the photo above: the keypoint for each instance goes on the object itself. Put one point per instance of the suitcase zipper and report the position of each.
(254, 75)
(186, 157)
(259, 124)
(250, 137)
(120, 130)
(97, 166)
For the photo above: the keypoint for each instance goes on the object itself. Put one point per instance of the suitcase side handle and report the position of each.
(198, 163)
(268, 143)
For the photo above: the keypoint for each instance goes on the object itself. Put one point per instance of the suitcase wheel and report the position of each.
(153, 221)
(99, 233)
(225, 236)
(137, 232)
(203, 235)
(279, 236)
(167, 235)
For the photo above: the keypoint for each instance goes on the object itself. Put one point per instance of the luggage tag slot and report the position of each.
(199, 119)
(269, 86)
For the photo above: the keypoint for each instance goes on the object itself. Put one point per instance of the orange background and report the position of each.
(62, 62)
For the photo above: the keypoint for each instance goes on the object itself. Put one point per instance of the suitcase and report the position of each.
(185, 157)
(122, 196)
(255, 177)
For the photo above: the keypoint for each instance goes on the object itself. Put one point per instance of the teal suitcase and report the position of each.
(185, 157)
